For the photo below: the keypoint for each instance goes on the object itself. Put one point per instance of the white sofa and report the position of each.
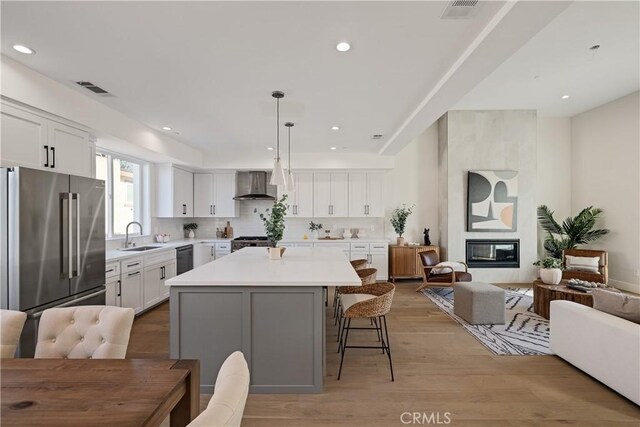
(602, 345)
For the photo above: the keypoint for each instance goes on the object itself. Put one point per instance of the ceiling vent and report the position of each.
(461, 9)
(93, 88)
(376, 136)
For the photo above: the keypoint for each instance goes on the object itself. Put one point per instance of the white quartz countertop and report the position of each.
(252, 267)
(363, 240)
(118, 254)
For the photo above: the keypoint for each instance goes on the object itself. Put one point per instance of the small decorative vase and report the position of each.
(400, 241)
(346, 234)
(192, 234)
(276, 253)
(551, 276)
(314, 234)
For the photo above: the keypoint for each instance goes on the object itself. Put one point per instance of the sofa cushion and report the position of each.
(579, 263)
(617, 304)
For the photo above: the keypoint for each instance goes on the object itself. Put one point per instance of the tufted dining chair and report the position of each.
(11, 324)
(230, 395)
(85, 332)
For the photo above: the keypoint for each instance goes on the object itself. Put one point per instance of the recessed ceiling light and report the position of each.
(343, 46)
(23, 49)
(335, 127)
(166, 128)
(565, 96)
(334, 148)
(270, 148)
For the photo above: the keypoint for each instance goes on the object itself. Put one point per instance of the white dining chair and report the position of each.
(226, 406)
(85, 332)
(11, 324)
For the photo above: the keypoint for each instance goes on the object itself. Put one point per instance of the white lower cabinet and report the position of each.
(222, 249)
(203, 253)
(131, 290)
(112, 297)
(169, 272)
(150, 291)
(377, 256)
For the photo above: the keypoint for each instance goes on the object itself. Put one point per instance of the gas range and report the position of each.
(248, 241)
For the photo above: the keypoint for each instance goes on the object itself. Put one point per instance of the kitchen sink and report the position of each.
(141, 248)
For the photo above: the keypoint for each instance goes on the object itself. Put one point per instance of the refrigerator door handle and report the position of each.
(68, 303)
(67, 241)
(76, 197)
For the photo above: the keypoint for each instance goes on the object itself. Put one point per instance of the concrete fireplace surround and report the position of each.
(488, 140)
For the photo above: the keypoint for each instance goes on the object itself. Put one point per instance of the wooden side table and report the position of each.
(404, 262)
(543, 295)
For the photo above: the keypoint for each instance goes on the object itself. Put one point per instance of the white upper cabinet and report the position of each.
(366, 194)
(34, 141)
(174, 192)
(213, 195)
(330, 194)
(70, 149)
(300, 200)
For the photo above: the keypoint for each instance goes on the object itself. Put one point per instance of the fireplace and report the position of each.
(483, 253)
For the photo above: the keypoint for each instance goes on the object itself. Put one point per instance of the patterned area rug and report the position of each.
(524, 334)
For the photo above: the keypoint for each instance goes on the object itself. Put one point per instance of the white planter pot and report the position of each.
(551, 276)
(192, 234)
(276, 253)
(400, 241)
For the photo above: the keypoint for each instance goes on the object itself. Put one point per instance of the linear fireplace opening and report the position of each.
(493, 253)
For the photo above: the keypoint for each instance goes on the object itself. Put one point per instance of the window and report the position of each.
(124, 178)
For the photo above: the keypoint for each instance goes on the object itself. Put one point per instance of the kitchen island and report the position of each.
(271, 310)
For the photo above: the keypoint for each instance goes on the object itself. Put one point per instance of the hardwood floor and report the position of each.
(439, 368)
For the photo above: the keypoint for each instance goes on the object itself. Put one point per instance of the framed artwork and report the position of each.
(492, 201)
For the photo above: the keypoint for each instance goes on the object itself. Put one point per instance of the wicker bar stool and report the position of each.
(367, 277)
(367, 302)
(359, 264)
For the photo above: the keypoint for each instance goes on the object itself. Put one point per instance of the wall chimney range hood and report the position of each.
(253, 186)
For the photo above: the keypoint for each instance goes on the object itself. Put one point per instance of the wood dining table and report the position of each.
(99, 392)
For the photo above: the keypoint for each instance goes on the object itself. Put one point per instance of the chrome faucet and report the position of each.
(126, 236)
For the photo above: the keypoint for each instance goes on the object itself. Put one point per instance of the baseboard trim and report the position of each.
(625, 286)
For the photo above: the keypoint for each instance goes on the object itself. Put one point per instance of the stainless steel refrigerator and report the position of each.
(53, 244)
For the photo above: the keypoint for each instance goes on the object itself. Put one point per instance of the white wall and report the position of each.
(24, 85)
(605, 149)
(414, 181)
(492, 140)
(554, 169)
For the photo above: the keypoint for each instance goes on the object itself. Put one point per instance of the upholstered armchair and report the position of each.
(602, 276)
(429, 261)
(85, 332)
(11, 324)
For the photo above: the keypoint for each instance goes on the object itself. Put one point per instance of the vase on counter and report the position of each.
(192, 234)
(276, 253)
(315, 235)
(400, 241)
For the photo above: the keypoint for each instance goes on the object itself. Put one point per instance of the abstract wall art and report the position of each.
(492, 201)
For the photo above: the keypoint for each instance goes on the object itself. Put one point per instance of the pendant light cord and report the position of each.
(278, 129)
(289, 165)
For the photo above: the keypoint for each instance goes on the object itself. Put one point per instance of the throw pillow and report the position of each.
(617, 304)
(456, 266)
(579, 263)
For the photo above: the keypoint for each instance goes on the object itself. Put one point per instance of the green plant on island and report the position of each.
(273, 220)
(399, 218)
(574, 231)
(549, 262)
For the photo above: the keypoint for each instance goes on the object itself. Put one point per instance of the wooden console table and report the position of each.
(543, 295)
(404, 262)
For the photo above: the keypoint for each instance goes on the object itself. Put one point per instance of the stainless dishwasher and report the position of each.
(184, 259)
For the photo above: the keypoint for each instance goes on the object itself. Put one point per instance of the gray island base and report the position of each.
(271, 310)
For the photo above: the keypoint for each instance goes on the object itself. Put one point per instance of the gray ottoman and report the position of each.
(479, 303)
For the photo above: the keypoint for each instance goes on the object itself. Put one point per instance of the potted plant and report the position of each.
(574, 231)
(190, 230)
(550, 270)
(315, 229)
(399, 221)
(274, 226)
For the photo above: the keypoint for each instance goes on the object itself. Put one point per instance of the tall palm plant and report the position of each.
(574, 231)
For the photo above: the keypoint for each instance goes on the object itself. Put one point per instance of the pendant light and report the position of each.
(289, 125)
(277, 174)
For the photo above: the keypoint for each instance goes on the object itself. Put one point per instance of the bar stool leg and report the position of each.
(388, 345)
(344, 347)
